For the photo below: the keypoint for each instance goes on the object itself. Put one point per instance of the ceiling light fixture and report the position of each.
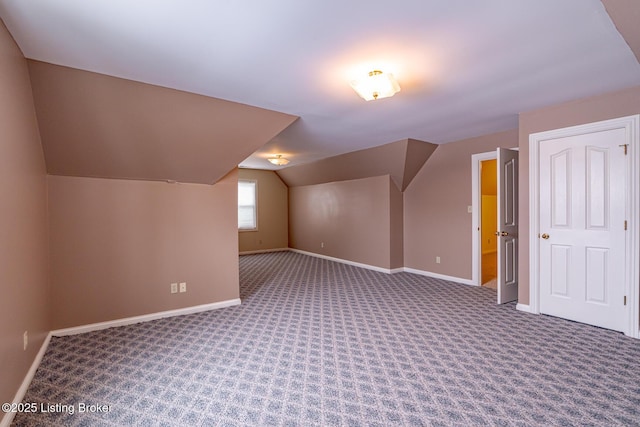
(376, 85)
(278, 160)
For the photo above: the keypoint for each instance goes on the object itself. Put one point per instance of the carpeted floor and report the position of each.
(491, 284)
(320, 343)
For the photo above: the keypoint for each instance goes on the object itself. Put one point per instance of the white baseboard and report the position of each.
(263, 251)
(387, 270)
(345, 261)
(440, 276)
(144, 318)
(8, 417)
(524, 307)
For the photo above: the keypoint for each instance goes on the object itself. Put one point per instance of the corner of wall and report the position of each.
(23, 224)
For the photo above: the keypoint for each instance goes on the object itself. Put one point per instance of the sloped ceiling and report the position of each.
(401, 160)
(466, 68)
(94, 125)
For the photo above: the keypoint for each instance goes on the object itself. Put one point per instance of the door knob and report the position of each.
(497, 233)
(545, 236)
(504, 233)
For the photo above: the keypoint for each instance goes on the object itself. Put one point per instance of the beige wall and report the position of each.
(593, 109)
(24, 291)
(116, 245)
(353, 218)
(273, 213)
(142, 131)
(436, 221)
(625, 14)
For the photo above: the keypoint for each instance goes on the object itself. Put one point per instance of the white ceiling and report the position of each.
(466, 68)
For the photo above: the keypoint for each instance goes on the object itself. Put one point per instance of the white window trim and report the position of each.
(255, 183)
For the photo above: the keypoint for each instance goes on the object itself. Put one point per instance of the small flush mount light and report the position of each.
(376, 85)
(278, 160)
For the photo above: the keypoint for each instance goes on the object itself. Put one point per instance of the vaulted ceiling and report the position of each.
(466, 69)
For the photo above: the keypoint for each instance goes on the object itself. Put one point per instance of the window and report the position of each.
(247, 209)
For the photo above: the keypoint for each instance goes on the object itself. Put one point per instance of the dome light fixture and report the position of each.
(376, 85)
(278, 160)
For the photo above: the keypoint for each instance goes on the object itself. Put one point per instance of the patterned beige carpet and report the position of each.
(317, 343)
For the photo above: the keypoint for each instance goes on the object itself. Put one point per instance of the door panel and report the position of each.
(561, 190)
(560, 268)
(597, 188)
(597, 286)
(582, 214)
(507, 225)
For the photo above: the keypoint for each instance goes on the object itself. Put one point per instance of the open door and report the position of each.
(507, 225)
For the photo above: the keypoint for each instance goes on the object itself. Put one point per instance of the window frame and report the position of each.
(255, 204)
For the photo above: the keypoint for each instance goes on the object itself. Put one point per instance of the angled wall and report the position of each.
(401, 160)
(94, 125)
(625, 14)
(436, 220)
(24, 288)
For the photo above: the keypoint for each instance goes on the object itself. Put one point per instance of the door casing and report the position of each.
(476, 195)
(476, 200)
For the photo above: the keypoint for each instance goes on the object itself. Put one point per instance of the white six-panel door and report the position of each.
(507, 227)
(583, 188)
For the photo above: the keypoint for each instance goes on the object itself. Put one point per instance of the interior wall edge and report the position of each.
(24, 386)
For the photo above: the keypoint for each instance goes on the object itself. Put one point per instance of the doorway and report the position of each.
(494, 238)
(478, 236)
(488, 223)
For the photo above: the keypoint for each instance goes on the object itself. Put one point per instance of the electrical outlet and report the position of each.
(469, 209)
(25, 340)
(183, 287)
(437, 260)
(322, 244)
(174, 288)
